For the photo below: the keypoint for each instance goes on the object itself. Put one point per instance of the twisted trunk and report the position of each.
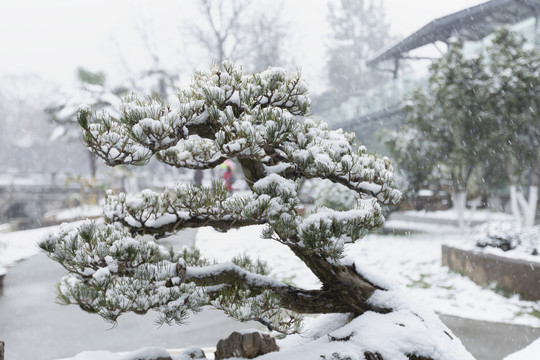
(343, 282)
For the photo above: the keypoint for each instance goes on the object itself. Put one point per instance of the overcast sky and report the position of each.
(52, 38)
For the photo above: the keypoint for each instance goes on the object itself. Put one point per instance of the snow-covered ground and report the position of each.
(411, 261)
(530, 352)
(482, 215)
(18, 245)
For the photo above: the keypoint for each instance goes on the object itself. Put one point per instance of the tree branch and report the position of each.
(194, 222)
(293, 298)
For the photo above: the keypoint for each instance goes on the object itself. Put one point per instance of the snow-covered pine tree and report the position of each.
(261, 120)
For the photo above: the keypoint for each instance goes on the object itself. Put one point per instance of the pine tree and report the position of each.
(235, 29)
(261, 121)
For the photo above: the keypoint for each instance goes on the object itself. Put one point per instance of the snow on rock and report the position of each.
(148, 353)
(509, 240)
(409, 329)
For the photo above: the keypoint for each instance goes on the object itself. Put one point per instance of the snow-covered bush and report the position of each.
(261, 120)
(508, 236)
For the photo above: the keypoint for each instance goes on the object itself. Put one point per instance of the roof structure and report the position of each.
(473, 23)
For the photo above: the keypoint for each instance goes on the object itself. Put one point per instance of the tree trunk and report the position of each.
(530, 212)
(524, 210)
(92, 158)
(460, 204)
(516, 212)
(346, 286)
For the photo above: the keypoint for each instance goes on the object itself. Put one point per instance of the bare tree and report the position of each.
(234, 29)
(359, 29)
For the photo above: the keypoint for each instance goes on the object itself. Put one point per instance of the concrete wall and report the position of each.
(514, 275)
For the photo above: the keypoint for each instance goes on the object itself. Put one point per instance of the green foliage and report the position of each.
(112, 273)
(245, 262)
(514, 69)
(265, 307)
(476, 122)
(333, 196)
(89, 77)
(447, 127)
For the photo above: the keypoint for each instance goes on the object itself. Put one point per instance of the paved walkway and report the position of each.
(488, 340)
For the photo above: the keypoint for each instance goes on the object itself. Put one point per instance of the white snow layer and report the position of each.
(412, 261)
(530, 352)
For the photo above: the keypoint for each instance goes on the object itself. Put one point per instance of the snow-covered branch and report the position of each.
(112, 273)
(184, 206)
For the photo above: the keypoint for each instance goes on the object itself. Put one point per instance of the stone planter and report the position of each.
(2, 274)
(514, 275)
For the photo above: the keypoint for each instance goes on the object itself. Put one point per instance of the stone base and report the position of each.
(513, 275)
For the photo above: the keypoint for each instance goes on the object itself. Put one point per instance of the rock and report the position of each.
(249, 345)
(192, 353)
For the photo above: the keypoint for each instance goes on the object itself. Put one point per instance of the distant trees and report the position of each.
(22, 100)
(235, 30)
(514, 104)
(92, 90)
(445, 126)
(476, 117)
(359, 29)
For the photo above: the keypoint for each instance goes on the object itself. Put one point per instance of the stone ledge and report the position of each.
(514, 275)
(2, 274)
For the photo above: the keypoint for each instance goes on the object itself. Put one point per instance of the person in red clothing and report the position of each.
(228, 177)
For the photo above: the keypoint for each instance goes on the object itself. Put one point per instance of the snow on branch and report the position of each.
(112, 273)
(182, 206)
(318, 152)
